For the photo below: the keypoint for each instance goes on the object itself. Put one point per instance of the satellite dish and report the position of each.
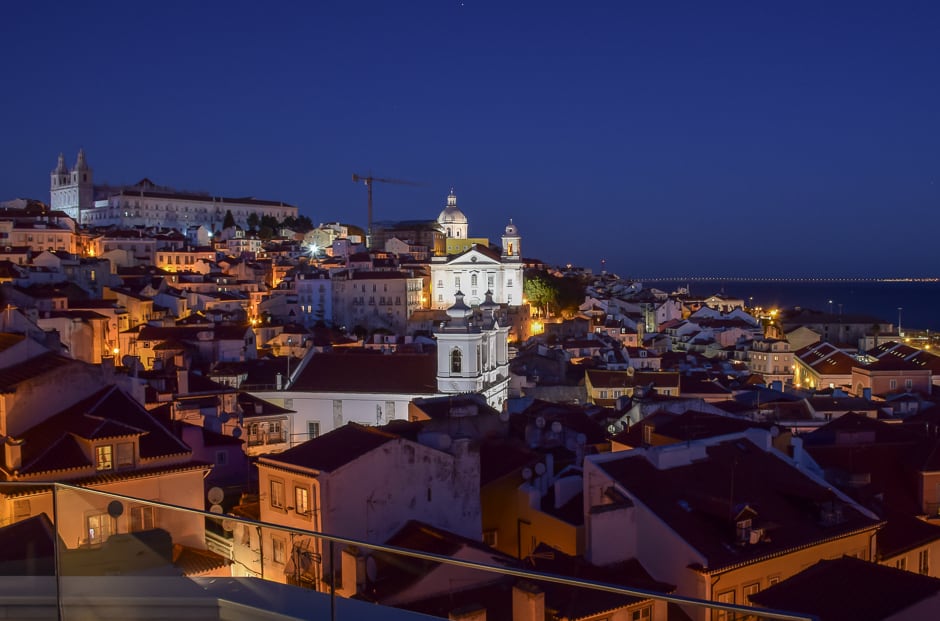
(216, 509)
(631, 371)
(556, 427)
(237, 432)
(611, 429)
(215, 495)
(228, 525)
(540, 468)
(115, 508)
(540, 422)
(224, 417)
(527, 473)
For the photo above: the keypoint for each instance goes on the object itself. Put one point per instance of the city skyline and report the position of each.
(796, 140)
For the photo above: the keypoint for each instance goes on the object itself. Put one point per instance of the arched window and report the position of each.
(455, 361)
(473, 280)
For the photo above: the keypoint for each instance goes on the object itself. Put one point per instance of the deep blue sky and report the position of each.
(667, 137)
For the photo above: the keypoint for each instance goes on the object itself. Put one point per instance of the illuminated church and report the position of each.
(477, 269)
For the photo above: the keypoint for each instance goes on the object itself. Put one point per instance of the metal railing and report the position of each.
(70, 503)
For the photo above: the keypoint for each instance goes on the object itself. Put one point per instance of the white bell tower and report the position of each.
(473, 353)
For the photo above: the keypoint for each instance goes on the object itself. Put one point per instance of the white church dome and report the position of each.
(451, 213)
(512, 229)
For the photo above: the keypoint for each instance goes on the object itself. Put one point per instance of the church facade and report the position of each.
(478, 270)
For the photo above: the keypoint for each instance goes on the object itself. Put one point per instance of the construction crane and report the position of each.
(368, 181)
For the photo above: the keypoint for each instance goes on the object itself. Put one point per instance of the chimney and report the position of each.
(12, 454)
(528, 602)
(182, 381)
(352, 571)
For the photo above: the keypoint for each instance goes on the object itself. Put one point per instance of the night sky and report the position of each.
(669, 138)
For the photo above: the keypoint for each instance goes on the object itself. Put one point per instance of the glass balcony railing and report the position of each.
(76, 553)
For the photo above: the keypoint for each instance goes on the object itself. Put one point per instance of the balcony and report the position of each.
(77, 553)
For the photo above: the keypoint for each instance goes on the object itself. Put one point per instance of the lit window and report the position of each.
(99, 527)
(277, 494)
(104, 457)
(301, 500)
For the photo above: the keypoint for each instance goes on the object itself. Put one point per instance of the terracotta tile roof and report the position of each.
(565, 602)
(623, 379)
(37, 366)
(52, 445)
(891, 364)
(849, 589)
(698, 508)
(369, 372)
(826, 359)
(690, 425)
(333, 450)
(250, 404)
(902, 534)
(195, 562)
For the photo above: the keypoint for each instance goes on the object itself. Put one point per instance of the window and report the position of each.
(141, 518)
(901, 563)
(21, 509)
(509, 282)
(278, 545)
(313, 429)
(457, 283)
(455, 361)
(125, 455)
(893, 384)
(301, 500)
(277, 493)
(221, 458)
(909, 384)
(99, 527)
(473, 280)
(490, 537)
(923, 562)
(389, 410)
(642, 614)
(750, 589)
(725, 598)
(104, 457)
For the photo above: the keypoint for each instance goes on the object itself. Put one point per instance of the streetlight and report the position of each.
(830, 307)
(900, 333)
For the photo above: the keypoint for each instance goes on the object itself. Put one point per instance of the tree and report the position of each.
(269, 226)
(253, 221)
(229, 221)
(540, 291)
